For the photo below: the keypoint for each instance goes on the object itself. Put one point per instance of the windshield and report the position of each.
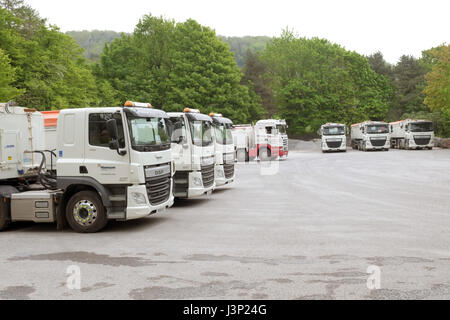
(377, 128)
(281, 128)
(223, 133)
(421, 127)
(333, 131)
(148, 134)
(201, 132)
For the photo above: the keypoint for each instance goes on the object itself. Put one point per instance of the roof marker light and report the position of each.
(137, 104)
(189, 110)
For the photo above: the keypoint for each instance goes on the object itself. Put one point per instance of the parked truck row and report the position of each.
(378, 135)
(86, 166)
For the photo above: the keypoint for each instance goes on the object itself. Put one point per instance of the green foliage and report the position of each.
(93, 41)
(437, 89)
(409, 82)
(175, 66)
(49, 68)
(7, 76)
(315, 82)
(254, 77)
(241, 45)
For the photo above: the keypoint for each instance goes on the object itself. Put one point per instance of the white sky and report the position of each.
(394, 27)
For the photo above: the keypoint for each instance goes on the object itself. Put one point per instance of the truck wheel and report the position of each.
(264, 154)
(85, 212)
(4, 215)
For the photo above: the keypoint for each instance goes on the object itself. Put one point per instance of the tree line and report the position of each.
(175, 65)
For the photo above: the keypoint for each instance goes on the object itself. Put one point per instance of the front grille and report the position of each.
(422, 141)
(378, 142)
(158, 188)
(334, 144)
(229, 170)
(208, 175)
(285, 144)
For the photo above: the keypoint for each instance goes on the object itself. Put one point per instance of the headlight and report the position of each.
(139, 198)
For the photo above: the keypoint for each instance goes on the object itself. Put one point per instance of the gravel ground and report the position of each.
(305, 228)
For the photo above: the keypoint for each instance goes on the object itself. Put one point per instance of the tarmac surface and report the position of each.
(309, 227)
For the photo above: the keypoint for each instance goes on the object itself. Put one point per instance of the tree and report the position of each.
(409, 82)
(179, 65)
(437, 90)
(50, 70)
(7, 77)
(254, 77)
(379, 65)
(315, 81)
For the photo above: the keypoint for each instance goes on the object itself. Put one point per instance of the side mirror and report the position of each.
(111, 126)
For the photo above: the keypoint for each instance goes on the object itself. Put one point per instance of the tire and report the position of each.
(264, 154)
(4, 215)
(90, 215)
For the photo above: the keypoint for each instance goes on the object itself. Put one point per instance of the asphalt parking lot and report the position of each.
(305, 228)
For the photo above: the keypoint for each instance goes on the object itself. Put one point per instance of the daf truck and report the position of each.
(193, 153)
(224, 148)
(412, 134)
(370, 135)
(333, 137)
(111, 164)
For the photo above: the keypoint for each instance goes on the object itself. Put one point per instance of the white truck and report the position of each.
(333, 137)
(193, 153)
(224, 148)
(261, 141)
(370, 135)
(112, 163)
(412, 134)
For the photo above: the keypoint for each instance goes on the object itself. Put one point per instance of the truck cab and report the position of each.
(112, 163)
(284, 139)
(193, 153)
(333, 137)
(224, 148)
(268, 142)
(370, 135)
(412, 134)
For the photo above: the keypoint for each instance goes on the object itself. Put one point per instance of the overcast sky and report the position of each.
(394, 27)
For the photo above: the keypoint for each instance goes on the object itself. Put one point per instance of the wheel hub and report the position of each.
(85, 213)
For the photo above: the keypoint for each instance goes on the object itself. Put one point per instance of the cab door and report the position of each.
(105, 165)
(181, 146)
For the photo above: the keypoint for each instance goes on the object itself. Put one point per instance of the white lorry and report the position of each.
(112, 163)
(193, 153)
(224, 148)
(370, 135)
(412, 134)
(333, 137)
(261, 141)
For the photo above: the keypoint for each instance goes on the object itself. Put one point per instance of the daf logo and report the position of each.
(159, 172)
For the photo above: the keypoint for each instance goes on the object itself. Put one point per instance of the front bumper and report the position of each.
(220, 178)
(136, 209)
(412, 144)
(196, 187)
(342, 147)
